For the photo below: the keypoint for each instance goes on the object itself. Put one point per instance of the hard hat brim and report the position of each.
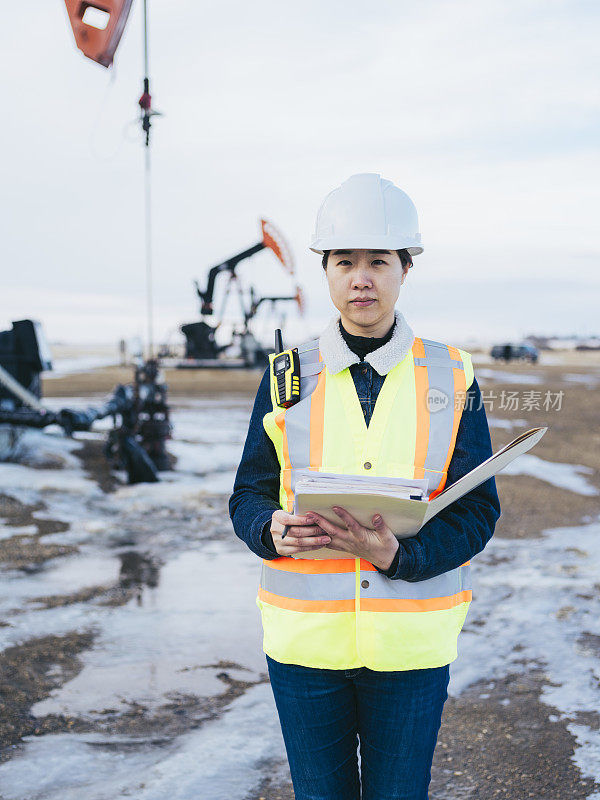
(366, 242)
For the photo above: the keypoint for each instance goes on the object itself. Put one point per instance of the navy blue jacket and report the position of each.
(449, 539)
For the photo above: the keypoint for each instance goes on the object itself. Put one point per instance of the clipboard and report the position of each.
(399, 505)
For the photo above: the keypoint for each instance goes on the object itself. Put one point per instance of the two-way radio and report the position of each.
(285, 368)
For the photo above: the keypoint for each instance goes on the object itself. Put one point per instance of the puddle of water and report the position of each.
(202, 611)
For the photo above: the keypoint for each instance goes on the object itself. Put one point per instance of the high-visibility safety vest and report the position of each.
(342, 613)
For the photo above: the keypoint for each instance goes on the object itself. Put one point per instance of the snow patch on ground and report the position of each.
(508, 377)
(565, 476)
(497, 422)
(67, 366)
(535, 601)
(591, 379)
(222, 760)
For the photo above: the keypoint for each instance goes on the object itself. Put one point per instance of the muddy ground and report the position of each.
(498, 739)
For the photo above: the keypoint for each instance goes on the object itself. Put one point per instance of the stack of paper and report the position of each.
(401, 502)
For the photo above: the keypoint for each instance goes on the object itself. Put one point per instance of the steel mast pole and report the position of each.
(145, 103)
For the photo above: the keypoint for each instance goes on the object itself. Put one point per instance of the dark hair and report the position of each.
(405, 258)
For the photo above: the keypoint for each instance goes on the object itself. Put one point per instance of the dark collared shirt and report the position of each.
(445, 542)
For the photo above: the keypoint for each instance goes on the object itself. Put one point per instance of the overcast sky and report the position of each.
(485, 112)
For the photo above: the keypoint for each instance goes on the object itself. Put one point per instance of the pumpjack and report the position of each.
(202, 349)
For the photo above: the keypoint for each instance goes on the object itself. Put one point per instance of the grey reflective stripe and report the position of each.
(445, 585)
(297, 421)
(336, 586)
(307, 386)
(434, 476)
(310, 345)
(311, 369)
(437, 362)
(439, 366)
(342, 585)
(433, 348)
(310, 357)
(297, 417)
(440, 421)
(297, 425)
(309, 362)
(312, 354)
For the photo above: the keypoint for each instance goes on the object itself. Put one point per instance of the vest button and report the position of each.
(367, 465)
(365, 370)
(364, 584)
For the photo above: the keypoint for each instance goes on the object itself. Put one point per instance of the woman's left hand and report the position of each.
(377, 545)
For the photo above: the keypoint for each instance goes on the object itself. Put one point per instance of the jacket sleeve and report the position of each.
(256, 486)
(464, 527)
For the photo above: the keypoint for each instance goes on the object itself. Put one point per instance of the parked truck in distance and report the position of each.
(515, 352)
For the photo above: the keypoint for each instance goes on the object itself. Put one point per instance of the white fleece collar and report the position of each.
(337, 355)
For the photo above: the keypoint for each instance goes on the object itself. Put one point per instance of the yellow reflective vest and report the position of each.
(342, 613)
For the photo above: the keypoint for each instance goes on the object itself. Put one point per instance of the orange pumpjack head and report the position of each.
(99, 45)
(273, 239)
(300, 300)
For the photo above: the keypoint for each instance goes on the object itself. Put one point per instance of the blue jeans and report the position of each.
(325, 712)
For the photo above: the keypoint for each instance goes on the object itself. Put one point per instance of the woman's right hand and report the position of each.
(301, 536)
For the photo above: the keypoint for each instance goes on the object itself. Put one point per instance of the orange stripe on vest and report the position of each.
(316, 606)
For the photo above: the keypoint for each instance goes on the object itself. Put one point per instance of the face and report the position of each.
(373, 274)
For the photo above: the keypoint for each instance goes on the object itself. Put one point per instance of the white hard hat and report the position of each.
(367, 211)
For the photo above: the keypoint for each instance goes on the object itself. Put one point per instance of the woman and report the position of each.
(358, 649)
